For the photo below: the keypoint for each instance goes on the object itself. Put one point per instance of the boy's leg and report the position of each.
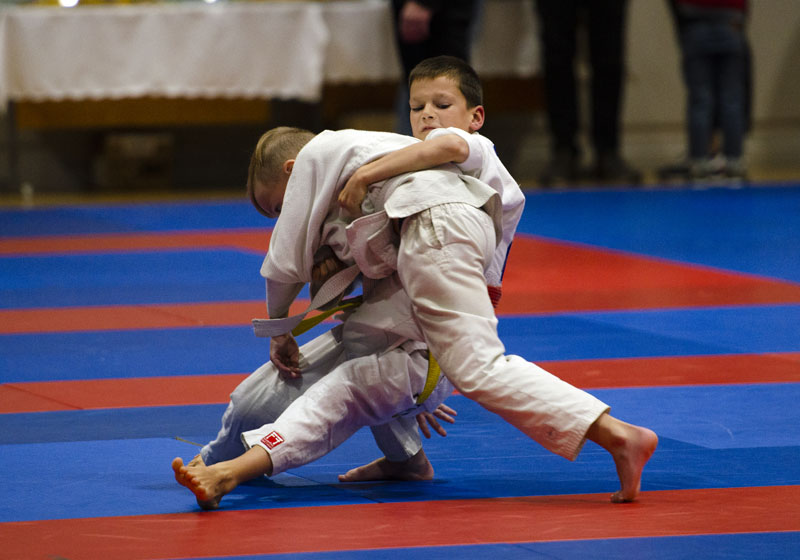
(355, 394)
(210, 483)
(441, 260)
(442, 256)
(263, 395)
(360, 392)
(403, 455)
(382, 320)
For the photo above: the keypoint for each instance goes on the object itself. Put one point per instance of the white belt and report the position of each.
(335, 286)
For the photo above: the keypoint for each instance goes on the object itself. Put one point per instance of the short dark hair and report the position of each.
(273, 148)
(455, 68)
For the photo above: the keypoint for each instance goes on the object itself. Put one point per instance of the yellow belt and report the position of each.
(434, 371)
(311, 322)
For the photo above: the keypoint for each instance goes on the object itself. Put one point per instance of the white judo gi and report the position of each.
(449, 235)
(263, 396)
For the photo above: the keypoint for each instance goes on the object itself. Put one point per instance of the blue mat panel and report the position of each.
(112, 423)
(134, 217)
(147, 353)
(672, 332)
(735, 440)
(130, 278)
(752, 230)
(122, 354)
(133, 477)
(719, 417)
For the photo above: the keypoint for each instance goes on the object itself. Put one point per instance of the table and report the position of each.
(266, 50)
(233, 49)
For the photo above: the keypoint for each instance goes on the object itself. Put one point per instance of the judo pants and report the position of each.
(442, 256)
(443, 253)
(339, 396)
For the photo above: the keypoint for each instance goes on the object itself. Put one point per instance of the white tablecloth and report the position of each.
(251, 50)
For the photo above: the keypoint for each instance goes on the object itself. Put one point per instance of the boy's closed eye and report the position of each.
(416, 109)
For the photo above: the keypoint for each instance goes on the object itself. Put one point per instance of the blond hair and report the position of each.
(273, 148)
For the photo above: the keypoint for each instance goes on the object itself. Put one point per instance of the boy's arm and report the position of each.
(449, 148)
(283, 350)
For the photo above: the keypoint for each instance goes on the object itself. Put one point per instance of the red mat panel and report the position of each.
(131, 317)
(214, 389)
(678, 370)
(545, 276)
(256, 240)
(117, 393)
(126, 317)
(407, 524)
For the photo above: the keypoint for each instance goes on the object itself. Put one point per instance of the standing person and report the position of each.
(448, 226)
(605, 21)
(715, 68)
(428, 28)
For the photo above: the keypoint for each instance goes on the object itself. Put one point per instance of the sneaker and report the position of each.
(700, 169)
(708, 172)
(735, 169)
(735, 172)
(707, 168)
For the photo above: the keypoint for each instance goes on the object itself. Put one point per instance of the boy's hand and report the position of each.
(285, 354)
(353, 194)
(442, 412)
(323, 270)
(415, 22)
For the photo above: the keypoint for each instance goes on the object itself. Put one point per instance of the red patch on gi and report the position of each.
(272, 439)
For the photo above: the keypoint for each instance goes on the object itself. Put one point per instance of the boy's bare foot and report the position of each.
(416, 468)
(630, 458)
(208, 484)
(630, 447)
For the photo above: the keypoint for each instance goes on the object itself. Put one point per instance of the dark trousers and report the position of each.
(605, 23)
(450, 33)
(715, 70)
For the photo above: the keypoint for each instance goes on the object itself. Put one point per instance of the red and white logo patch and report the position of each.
(272, 440)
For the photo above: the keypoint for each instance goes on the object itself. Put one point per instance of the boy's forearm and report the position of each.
(279, 297)
(423, 155)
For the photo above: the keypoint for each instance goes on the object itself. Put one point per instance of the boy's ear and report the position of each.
(287, 167)
(478, 117)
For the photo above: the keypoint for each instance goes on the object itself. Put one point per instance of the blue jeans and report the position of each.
(714, 69)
